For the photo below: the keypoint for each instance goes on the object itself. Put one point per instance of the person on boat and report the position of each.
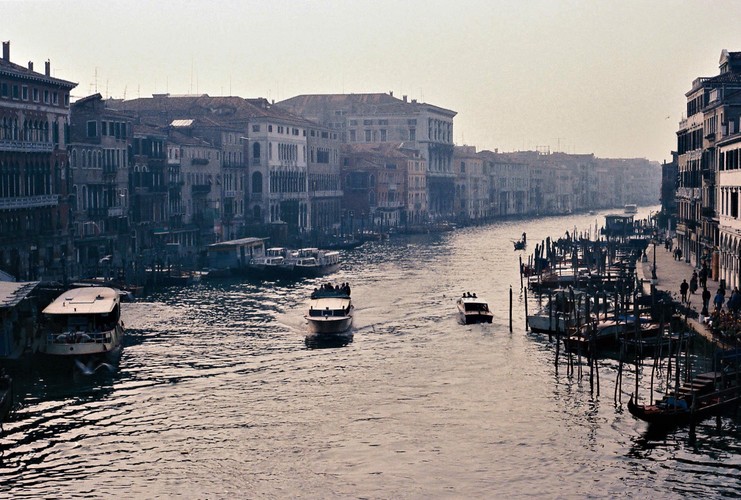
(683, 290)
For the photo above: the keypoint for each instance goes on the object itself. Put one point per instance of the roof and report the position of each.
(13, 292)
(86, 300)
(228, 111)
(360, 104)
(241, 241)
(15, 70)
(182, 123)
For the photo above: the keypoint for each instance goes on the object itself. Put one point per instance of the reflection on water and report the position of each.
(319, 341)
(220, 393)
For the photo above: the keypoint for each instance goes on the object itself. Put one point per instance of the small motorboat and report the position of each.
(473, 309)
(330, 310)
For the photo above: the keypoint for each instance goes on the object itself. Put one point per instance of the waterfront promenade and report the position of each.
(670, 273)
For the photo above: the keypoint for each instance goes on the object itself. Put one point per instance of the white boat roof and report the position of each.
(333, 303)
(86, 300)
(12, 292)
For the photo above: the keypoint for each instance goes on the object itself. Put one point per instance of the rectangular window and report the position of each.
(16, 92)
(412, 134)
(46, 97)
(35, 95)
(92, 129)
(66, 100)
(353, 137)
(270, 128)
(383, 135)
(103, 128)
(367, 136)
(54, 98)
(353, 122)
(255, 128)
(24, 93)
(4, 89)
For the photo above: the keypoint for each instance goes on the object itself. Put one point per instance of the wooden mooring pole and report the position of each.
(510, 309)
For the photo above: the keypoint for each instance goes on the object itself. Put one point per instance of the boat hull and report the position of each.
(472, 319)
(84, 344)
(330, 326)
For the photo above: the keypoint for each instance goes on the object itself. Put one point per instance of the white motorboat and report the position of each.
(330, 311)
(560, 313)
(83, 321)
(473, 309)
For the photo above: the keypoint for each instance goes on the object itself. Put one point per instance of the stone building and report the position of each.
(713, 111)
(382, 118)
(100, 140)
(34, 176)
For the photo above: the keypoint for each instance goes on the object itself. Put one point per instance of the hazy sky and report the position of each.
(591, 76)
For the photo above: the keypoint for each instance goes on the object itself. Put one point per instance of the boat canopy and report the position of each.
(87, 300)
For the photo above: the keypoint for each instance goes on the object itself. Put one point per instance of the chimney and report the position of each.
(414, 101)
(6, 51)
(30, 65)
(47, 68)
(404, 97)
(391, 93)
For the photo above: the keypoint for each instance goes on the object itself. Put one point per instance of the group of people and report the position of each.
(329, 289)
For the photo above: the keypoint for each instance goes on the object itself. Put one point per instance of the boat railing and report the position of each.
(79, 338)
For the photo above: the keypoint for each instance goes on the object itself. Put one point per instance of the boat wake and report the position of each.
(87, 369)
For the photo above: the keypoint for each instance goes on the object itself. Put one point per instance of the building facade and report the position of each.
(34, 175)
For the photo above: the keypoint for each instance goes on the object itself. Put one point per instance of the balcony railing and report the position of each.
(26, 147)
(48, 200)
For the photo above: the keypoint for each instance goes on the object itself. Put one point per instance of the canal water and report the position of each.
(219, 394)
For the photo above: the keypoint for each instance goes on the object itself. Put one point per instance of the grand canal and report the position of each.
(218, 394)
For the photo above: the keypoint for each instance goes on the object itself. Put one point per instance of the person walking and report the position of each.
(693, 283)
(718, 300)
(683, 290)
(703, 276)
(705, 301)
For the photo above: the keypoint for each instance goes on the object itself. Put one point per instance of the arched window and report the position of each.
(257, 213)
(257, 182)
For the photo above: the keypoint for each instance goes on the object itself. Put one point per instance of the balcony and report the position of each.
(23, 202)
(201, 188)
(26, 147)
(115, 212)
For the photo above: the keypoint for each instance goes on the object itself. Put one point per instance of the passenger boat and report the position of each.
(284, 263)
(330, 310)
(472, 309)
(312, 263)
(83, 321)
(269, 265)
(708, 394)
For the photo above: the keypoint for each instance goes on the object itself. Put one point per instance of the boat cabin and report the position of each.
(235, 254)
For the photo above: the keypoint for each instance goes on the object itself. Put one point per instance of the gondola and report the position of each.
(694, 402)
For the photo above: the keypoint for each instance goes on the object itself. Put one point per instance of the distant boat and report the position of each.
(330, 311)
(285, 263)
(473, 309)
(83, 321)
(630, 208)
